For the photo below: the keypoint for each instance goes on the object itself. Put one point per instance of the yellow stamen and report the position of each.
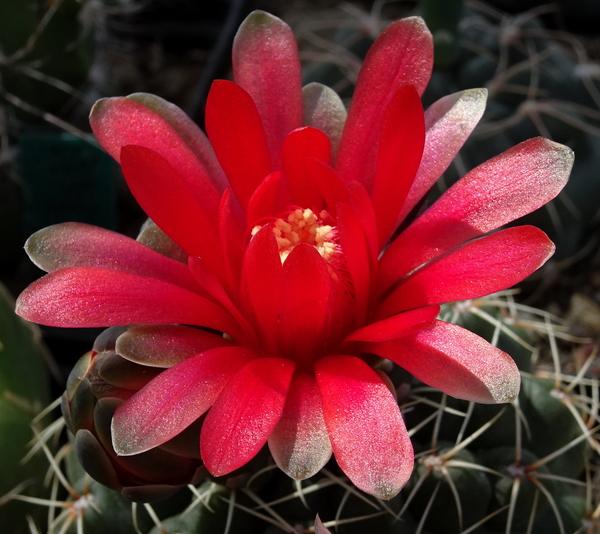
(303, 226)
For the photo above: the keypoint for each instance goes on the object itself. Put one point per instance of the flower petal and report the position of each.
(369, 439)
(175, 399)
(266, 64)
(496, 192)
(216, 290)
(458, 362)
(238, 136)
(165, 196)
(233, 235)
(74, 244)
(267, 200)
(483, 266)
(245, 414)
(402, 54)
(401, 143)
(324, 109)
(363, 211)
(149, 121)
(95, 297)
(449, 122)
(262, 272)
(165, 345)
(300, 144)
(305, 292)
(300, 444)
(357, 261)
(396, 326)
(329, 184)
(153, 237)
(188, 131)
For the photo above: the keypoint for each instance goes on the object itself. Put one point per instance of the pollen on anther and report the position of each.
(304, 226)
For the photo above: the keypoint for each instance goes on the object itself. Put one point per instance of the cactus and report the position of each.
(480, 468)
(525, 467)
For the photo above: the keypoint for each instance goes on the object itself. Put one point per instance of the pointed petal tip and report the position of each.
(564, 155)
(505, 390)
(259, 21)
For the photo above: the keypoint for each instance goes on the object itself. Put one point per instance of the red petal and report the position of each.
(165, 345)
(449, 121)
(149, 121)
(82, 245)
(300, 444)
(403, 54)
(496, 192)
(396, 326)
(398, 157)
(458, 362)
(267, 201)
(214, 288)
(305, 291)
(175, 399)
(92, 296)
(245, 414)
(369, 439)
(232, 232)
(266, 64)
(301, 144)
(363, 210)
(262, 283)
(332, 189)
(237, 134)
(357, 259)
(166, 197)
(481, 267)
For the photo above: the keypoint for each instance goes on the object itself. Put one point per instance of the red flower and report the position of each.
(282, 243)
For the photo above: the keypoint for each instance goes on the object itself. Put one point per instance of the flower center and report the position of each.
(304, 226)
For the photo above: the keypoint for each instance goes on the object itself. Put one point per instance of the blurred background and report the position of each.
(539, 61)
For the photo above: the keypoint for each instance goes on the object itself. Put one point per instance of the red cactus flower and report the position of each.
(283, 248)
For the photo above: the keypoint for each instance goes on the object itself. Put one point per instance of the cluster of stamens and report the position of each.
(304, 226)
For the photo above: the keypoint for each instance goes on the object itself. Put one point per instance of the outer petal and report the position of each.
(214, 288)
(174, 399)
(449, 122)
(403, 54)
(456, 361)
(265, 62)
(300, 444)
(480, 267)
(149, 121)
(366, 429)
(82, 245)
(165, 196)
(92, 296)
(165, 345)
(245, 414)
(236, 131)
(396, 326)
(324, 109)
(496, 192)
(398, 157)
